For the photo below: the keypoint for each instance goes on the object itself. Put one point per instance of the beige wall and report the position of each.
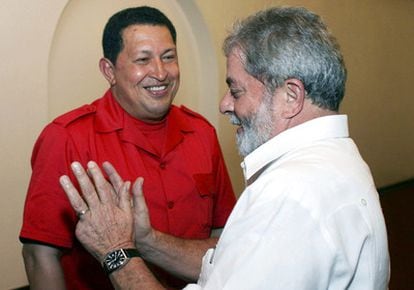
(376, 37)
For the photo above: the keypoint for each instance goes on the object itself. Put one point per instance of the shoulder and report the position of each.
(75, 115)
(65, 125)
(193, 116)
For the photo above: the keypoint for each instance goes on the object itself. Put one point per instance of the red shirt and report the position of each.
(186, 186)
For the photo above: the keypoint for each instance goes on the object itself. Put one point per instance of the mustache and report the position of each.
(234, 120)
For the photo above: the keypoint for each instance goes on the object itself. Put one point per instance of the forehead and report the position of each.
(146, 32)
(236, 74)
(235, 59)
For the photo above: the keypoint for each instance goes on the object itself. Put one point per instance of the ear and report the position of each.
(294, 98)
(107, 69)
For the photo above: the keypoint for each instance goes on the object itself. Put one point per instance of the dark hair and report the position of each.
(291, 42)
(112, 41)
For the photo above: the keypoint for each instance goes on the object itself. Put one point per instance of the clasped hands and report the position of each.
(109, 218)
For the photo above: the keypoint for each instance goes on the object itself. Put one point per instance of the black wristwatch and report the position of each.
(117, 259)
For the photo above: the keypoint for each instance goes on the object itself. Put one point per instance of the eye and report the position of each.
(169, 57)
(142, 60)
(235, 93)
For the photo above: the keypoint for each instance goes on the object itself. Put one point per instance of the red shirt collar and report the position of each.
(110, 116)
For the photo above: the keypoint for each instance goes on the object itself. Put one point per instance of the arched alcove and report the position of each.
(73, 75)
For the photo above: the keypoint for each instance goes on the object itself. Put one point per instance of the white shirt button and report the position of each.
(363, 202)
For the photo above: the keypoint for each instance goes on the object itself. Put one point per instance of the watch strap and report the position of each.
(130, 253)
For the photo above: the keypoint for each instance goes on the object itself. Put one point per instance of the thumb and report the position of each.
(138, 196)
(142, 222)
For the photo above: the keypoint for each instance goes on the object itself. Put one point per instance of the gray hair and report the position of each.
(291, 42)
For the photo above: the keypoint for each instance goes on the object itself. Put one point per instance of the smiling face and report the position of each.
(249, 105)
(146, 75)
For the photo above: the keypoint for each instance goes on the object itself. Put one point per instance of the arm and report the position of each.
(43, 267)
(179, 256)
(48, 219)
(134, 275)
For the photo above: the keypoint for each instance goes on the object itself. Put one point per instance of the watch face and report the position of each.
(115, 259)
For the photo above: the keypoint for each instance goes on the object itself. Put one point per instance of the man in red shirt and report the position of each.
(135, 127)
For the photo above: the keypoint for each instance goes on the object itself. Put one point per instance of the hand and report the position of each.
(143, 230)
(105, 211)
(142, 225)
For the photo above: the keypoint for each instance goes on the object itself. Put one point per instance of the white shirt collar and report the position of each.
(332, 126)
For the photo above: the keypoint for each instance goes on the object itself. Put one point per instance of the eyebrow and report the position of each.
(172, 49)
(146, 51)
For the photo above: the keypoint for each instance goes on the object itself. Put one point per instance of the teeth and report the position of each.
(156, 88)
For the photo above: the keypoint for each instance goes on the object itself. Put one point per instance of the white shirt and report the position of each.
(311, 220)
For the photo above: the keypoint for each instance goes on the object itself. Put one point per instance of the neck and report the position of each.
(308, 112)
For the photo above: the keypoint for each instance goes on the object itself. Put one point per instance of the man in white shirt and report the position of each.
(309, 217)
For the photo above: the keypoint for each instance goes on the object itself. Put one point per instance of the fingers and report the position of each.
(95, 188)
(125, 197)
(104, 190)
(86, 186)
(113, 175)
(78, 204)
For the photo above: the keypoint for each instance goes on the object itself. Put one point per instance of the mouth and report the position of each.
(234, 120)
(158, 90)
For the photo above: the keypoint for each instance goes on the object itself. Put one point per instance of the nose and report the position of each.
(159, 70)
(227, 103)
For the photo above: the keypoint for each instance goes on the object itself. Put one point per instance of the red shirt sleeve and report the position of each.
(48, 216)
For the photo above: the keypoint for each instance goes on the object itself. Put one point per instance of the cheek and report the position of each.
(133, 74)
(137, 75)
(243, 107)
(173, 70)
(241, 111)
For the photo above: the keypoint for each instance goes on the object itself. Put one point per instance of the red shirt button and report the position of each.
(162, 165)
(170, 204)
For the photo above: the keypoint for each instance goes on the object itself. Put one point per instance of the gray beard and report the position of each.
(257, 128)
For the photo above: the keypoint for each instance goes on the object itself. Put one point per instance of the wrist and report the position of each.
(147, 240)
(122, 245)
(116, 259)
(149, 246)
